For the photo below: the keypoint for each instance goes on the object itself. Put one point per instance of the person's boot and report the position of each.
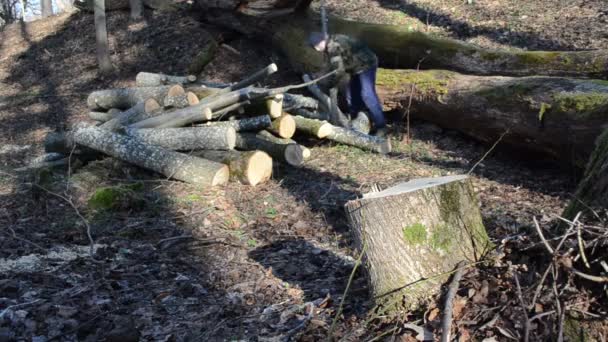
(381, 132)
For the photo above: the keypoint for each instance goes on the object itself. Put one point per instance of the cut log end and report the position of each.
(275, 106)
(192, 98)
(294, 154)
(221, 176)
(151, 105)
(207, 114)
(284, 126)
(176, 90)
(259, 168)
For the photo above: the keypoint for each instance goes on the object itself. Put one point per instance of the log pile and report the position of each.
(197, 132)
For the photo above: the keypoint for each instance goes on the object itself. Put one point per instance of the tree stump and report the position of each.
(415, 232)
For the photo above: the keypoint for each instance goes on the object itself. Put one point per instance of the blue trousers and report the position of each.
(360, 95)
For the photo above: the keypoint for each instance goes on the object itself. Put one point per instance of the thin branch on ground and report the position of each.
(520, 296)
(446, 321)
(341, 306)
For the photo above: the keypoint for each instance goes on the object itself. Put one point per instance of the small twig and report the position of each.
(350, 279)
(14, 236)
(597, 279)
(11, 307)
(489, 151)
(523, 307)
(542, 236)
(291, 333)
(446, 321)
(581, 246)
(174, 238)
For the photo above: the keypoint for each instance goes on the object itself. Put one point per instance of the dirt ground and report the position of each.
(174, 262)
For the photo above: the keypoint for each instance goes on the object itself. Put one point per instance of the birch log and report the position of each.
(125, 98)
(414, 232)
(168, 163)
(252, 124)
(186, 139)
(149, 79)
(141, 111)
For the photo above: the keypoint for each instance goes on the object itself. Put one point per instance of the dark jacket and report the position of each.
(356, 56)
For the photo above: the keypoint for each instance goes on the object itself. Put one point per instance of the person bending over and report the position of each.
(356, 78)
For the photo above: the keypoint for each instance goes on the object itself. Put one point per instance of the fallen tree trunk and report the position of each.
(252, 124)
(290, 153)
(249, 167)
(168, 163)
(398, 47)
(149, 79)
(558, 117)
(283, 126)
(126, 98)
(414, 232)
(592, 191)
(187, 139)
(141, 111)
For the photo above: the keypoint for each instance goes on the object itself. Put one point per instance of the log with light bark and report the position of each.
(168, 163)
(150, 79)
(553, 116)
(248, 167)
(181, 101)
(200, 112)
(290, 153)
(283, 126)
(104, 116)
(592, 191)
(415, 232)
(125, 98)
(360, 140)
(317, 128)
(187, 138)
(398, 47)
(141, 111)
(274, 106)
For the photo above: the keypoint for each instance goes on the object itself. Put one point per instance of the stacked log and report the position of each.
(202, 133)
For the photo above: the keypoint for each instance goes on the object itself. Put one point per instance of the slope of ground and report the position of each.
(176, 262)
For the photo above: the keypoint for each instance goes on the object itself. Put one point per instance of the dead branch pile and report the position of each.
(189, 130)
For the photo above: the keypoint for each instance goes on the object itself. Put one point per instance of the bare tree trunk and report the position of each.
(101, 36)
(46, 8)
(137, 9)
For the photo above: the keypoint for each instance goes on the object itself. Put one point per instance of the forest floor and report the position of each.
(247, 259)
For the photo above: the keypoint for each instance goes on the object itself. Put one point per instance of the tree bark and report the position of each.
(290, 153)
(414, 232)
(150, 79)
(283, 127)
(46, 8)
(101, 37)
(125, 98)
(250, 167)
(360, 140)
(187, 139)
(556, 117)
(180, 101)
(252, 124)
(168, 163)
(592, 191)
(397, 47)
(141, 111)
(316, 128)
(137, 9)
(104, 116)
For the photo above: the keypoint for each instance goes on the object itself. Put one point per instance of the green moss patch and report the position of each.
(432, 82)
(415, 234)
(581, 104)
(117, 197)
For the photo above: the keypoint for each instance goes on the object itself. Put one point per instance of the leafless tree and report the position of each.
(101, 36)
